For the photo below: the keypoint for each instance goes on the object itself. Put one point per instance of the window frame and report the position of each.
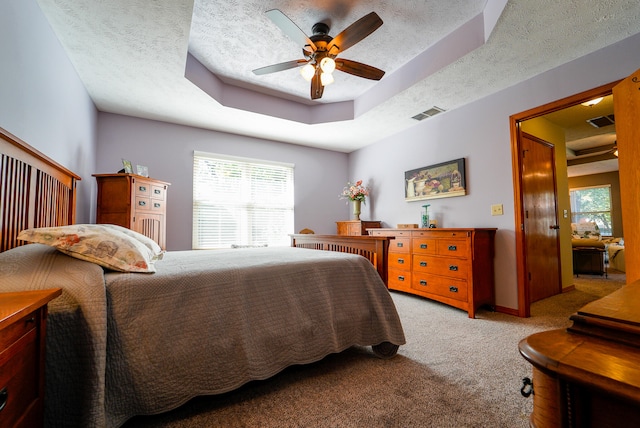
(249, 220)
(593, 216)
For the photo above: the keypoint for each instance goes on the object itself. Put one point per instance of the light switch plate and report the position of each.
(496, 209)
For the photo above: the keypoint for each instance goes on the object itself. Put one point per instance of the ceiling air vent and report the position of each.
(601, 121)
(428, 113)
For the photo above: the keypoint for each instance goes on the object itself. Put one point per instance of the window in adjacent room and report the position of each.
(241, 201)
(592, 204)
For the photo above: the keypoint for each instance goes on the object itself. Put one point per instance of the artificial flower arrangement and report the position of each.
(355, 192)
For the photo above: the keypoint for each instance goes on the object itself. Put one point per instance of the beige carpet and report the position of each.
(453, 372)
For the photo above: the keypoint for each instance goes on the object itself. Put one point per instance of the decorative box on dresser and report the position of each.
(452, 266)
(135, 202)
(23, 319)
(356, 227)
(588, 375)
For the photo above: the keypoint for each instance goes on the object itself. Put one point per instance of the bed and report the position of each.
(121, 344)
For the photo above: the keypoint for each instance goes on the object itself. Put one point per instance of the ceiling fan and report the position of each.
(320, 51)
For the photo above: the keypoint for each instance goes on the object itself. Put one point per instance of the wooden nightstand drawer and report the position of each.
(18, 329)
(446, 287)
(450, 267)
(19, 378)
(143, 203)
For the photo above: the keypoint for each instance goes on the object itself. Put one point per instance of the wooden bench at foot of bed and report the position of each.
(373, 248)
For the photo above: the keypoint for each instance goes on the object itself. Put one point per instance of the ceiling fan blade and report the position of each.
(289, 28)
(279, 67)
(359, 69)
(316, 86)
(356, 32)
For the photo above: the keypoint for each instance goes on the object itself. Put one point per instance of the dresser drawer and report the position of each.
(438, 285)
(19, 377)
(142, 188)
(424, 245)
(453, 247)
(158, 192)
(399, 279)
(440, 233)
(450, 267)
(400, 261)
(143, 203)
(400, 245)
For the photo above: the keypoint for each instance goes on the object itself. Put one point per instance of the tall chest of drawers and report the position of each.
(452, 266)
(134, 202)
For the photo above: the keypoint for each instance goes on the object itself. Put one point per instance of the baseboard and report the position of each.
(569, 288)
(508, 311)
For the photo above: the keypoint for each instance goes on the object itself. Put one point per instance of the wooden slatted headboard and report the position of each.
(35, 191)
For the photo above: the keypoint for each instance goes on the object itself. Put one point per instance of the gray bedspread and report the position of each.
(205, 323)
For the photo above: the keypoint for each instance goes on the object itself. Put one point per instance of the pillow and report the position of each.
(588, 230)
(97, 244)
(145, 240)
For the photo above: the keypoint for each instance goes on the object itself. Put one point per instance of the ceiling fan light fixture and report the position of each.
(308, 71)
(328, 65)
(592, 102)
(326, 79)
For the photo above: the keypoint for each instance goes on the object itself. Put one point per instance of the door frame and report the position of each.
(524, 304)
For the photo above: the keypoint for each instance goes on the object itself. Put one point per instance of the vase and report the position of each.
(356, 210)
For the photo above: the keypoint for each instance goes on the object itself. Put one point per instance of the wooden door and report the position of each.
(626, 105)
(540, 218)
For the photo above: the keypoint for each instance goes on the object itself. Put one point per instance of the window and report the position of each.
(241, 201)
(592, 204)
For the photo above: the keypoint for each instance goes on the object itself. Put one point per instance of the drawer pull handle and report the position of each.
(142, 203)
(4, 395)
(142, 188)
(527, 387)
(400, 261)
(423, 246)
(156, 205)
(399, 244)
(453, 248)
(400, 278)
(423, 282)
(423, 264)
(453, 289)
(157, 191)
(453, 267)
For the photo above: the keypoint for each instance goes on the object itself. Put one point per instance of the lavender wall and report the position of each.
(168, 152)
(42, 100)
(479, 132)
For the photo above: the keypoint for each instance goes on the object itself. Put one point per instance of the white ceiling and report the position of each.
(132, 56)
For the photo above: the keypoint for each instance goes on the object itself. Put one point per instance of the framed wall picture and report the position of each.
(128, 168)
(443, 180)
(142, 170)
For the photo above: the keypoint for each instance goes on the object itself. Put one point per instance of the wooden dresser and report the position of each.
(452, 266)
(135, 202)
(23, 319)
(588, 375)
(356, 227)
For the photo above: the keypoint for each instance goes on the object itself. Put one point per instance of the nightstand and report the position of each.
(356, 227)
(23, 320)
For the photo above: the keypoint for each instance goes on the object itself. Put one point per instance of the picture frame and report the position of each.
(142, 170)
(442, 180)
(128, 168)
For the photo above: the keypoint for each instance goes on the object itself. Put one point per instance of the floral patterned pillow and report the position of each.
(95, 243)
(588, 230)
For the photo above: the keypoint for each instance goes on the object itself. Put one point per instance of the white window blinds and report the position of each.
(241, 201)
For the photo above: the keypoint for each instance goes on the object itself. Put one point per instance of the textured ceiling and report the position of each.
(132, 56)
